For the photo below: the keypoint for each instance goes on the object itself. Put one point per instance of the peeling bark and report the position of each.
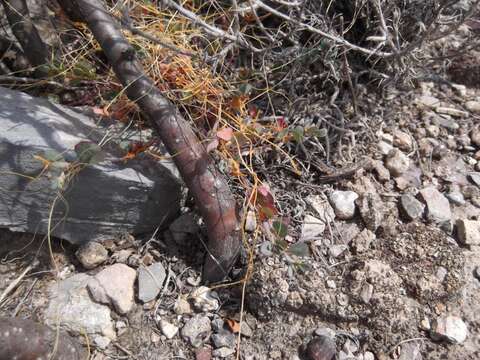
(26, 340)
(208, 186)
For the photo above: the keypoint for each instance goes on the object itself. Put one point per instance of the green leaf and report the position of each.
(52, 155)
(280, 229)
(298, 133)
(300, 249)
(89, 153)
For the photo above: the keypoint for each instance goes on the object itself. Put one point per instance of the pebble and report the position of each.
(385, 147)
(449, 328)
(312, 227)
(322, 207)
(475, 178)
(343, 203)
(366, 293)
(91, 255)
(114, 285)
(468, 231)
(325, 331)
(455, 196)
(321, 348)
(473, 106)
(438, 207)
(197, 330)
(362, 241)
(168, 329)
(433, 131)
(150, 281)
(224, 339)
(402, 140)
(203, 353)
(102, 341)
(337, 250)
(182, 306)
(250, 221)
(383, 174)
(397, 162)
(410, 351)
(223, 352)
(368, 356)
(451, 111)
(204, 299)
(331, 284)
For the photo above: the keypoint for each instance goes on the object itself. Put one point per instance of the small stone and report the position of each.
(475, 178)
(102, 341)
(324, 331)
(451, 111)
(425, 324)
(205, 300)
(439, 151)
(468, 231)
(250, 221)
(337, 250)
(312, 227)
(331, 284)
(446, 121)
(224, 339)
(397, 162)
(114, 285)
(182, 306)
(368, 356)
(223, 352)
(122, 256)
(150, 281)
(350, 347)
(473, 106)
(475, 136)
(427, 101)
(155, 338)
(322, 207)
(455, 196)
(168, 329)
(203, 353)
(92, 254)
(343, 203)
(438, 207)
(410, 351)
(402, 140)
(449, 328)
(197, 330)
(383, 174)
(384, 147)
(321, 348)
(433, 131)
(246, 330)
(366, 293)
(362, 242)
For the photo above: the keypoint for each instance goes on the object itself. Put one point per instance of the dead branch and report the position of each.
(208, 186)
(22, 27)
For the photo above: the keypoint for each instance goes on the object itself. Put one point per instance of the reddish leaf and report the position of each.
(225, 134)
(233, 325)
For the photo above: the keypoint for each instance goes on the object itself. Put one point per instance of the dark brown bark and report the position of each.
(26, 340)
(22, 27)
(209, 188)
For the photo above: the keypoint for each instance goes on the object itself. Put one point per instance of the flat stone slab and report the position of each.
(101, 199)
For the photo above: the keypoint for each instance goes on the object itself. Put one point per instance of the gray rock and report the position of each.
(321, 348)
(446, 121)
(71, 307)
(455, 196)
(438, 207)
(402, 140)
(468, 231)
(204, 299)
(312, 227)
(150, 281)
(337, 250)
(168, 329)
(92, 254)
(114, 285)
(368, 356)
(473, 106)
(100, 201)
(102, 341)
(410, 351)
(343, 203)
(224, 339)
(412, 208)
(223, 352)
(449, 328)
(475, 178)
(384, 147)
(182, 306)
(366, 293)
(397, 162)
(197, 330)
(383, 174)
(322, 207)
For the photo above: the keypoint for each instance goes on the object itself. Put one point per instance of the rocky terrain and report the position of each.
(383, 263)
